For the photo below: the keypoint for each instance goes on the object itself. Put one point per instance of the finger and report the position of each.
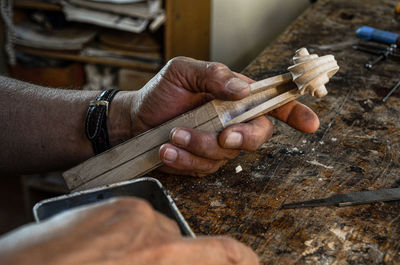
(135, 208)
(201, 144)
(298, 116)
(180, 159)
(244, 78)
(200, 76)
(130, 207)
(218, 250)
(247, 136)
(127, 214)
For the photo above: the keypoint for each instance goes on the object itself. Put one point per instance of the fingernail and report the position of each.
(170, 155)
(181, 137)
(233, 140)
(236, 85)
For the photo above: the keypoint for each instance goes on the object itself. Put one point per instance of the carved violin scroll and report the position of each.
(311, 72)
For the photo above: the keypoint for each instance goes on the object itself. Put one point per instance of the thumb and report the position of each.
(210, 77)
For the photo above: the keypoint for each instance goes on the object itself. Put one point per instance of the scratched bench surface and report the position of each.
(356, 148)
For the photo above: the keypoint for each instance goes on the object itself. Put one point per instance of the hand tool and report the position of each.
(348, 199)
(395, 87)
(382, 50)
(369, 33)
(140, 154)
(381, 57)
(373, 48)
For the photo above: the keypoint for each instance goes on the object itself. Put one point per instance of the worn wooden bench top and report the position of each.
(356, 148)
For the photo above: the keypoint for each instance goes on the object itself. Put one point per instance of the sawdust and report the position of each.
(316, 163)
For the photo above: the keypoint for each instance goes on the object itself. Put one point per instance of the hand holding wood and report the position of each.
(140, 154)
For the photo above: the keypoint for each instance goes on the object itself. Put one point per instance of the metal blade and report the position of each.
(349, 199)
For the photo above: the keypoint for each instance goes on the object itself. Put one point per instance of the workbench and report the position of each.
(356, 148)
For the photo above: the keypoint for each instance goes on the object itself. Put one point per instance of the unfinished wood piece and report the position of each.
(311, 73)
(140, 154)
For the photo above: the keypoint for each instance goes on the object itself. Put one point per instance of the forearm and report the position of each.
(44, 129)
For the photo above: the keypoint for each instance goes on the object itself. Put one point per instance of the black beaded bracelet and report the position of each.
(96, 121)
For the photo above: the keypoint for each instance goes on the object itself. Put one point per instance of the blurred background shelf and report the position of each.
(185, 31)
(115, 62)
(35, 4)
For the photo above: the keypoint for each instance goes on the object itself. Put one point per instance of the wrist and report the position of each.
(119, 120)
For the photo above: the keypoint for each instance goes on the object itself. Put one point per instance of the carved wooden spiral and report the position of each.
(311, 72)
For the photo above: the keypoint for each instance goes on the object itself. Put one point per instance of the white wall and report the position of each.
(241, 29)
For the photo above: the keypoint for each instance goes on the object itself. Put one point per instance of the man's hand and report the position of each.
(184, 84)
(118, 231)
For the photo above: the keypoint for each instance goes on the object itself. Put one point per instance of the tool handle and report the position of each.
(369, 33)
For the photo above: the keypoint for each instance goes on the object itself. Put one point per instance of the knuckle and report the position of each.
(228, 247)
(211, 167)
(168, 225)
(205, 141)
(216, 68)
(227, 243)
(137, 205)
(171, 247)
(191, 162)
(144, 206)
(253, 143)
(206, 145)
(232, 249)
(131, 206)
(256, 139)
(176, 61)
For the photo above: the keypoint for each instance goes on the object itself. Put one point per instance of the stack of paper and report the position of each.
(142, 9)
(127, 15)
(31, 35)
